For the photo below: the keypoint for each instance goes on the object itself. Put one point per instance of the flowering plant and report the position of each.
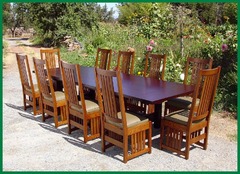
(150, 46)
(224, 47)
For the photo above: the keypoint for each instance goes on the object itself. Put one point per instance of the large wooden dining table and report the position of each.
(149, 90)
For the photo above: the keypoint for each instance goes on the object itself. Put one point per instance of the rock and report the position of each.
(130, 49)
(72, 44)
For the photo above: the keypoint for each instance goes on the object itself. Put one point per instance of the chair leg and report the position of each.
(55, 117)
(150, 137)
(103, 138)
(125, 149)
(43, 114)
(24, 102)
(187, 146)
(34, 106)
(85, 130)
(205, 140)
(69, 125)
(69, 128)
(68, 121)
(162, 134)
(150, 108)
(40, 105)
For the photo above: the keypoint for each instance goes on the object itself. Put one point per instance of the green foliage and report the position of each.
(67, 25)
(6, 16)
(227, 88)
(158, 20)
(104, 14)
(75, 57)
(209, 45)
(205, 12)
(15, 15)
(129, 12)
(230, 13)
(53, 21)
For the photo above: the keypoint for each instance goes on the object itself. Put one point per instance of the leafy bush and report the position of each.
(197, 41)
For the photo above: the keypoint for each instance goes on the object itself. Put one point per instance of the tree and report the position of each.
(53, 21)
(213, 13)
(14, 15)
(130, 12)
(104, 14)
(6, 16)
(230, 13)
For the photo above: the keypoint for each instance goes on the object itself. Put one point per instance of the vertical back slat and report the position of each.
(41, 74)
(52, 56)
(157, 66)
(105, 56)
(125, 61)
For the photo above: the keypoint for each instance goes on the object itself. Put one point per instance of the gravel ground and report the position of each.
(31, 145)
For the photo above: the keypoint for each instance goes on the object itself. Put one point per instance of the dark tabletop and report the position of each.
(147, 89)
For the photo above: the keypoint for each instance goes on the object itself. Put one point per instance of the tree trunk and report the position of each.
(219, 11)
(13, 33)
(181, 32)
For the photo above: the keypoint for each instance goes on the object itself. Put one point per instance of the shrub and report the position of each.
(204, 42)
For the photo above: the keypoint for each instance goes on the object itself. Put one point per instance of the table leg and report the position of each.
(158, 115)
(57, 85)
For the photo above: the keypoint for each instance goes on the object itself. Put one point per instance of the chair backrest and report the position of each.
(71, 74)
(106, 96)
(156, 69)
(205, 90)
(52, 56)
(43, 85)
(103, 58)
(125, 61)
(193, 65)
(24, 71)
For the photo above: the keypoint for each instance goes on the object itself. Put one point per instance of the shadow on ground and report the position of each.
(76, 137)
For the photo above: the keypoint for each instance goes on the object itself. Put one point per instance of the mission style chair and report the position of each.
(155, 65)
(52, 56)
(30, 91)
(117, 126)
(186, 127)
(51, 100)
(193, 66)
(125, 61)
(83, 114)
(103, 58)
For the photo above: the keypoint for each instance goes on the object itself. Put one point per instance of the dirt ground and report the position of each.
(30, 145)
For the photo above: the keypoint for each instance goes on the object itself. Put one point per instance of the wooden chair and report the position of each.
(30, 91)
(83, 114)
(186, 127)
(51, 100)
(103, 61)
(125, 61)
(117, 126)
(155, 65)
(193, 66)
(154, 68)
(103, 58)
(51, 55)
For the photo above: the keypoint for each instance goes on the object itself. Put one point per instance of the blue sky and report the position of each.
(111, 5)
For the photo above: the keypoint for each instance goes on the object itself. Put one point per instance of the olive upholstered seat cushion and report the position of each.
(90, 106)
(132, 120)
